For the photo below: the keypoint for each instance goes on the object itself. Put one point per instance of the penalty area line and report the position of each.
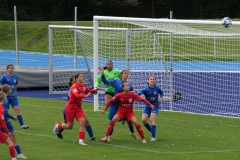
(131, 148)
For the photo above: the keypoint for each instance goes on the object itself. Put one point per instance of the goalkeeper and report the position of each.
(110, 74)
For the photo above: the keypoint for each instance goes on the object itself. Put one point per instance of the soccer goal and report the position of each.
(196, 62)
(71, 51)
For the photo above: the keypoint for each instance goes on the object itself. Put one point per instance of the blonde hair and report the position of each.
(6, 88)
(2, 96)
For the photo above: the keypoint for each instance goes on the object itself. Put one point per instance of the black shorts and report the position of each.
(109, 93)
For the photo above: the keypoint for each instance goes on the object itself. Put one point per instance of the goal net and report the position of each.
(195, 62)
(135, 49)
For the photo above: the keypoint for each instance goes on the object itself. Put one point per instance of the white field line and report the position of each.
(137, 149)
(61, 107)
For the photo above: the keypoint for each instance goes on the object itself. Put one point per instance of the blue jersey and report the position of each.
(7, 115)
(152, 94)
(12, 81)
(117, 84)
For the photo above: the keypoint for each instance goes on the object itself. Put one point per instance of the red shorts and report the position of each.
(128, 116)
(74, 111)
(3, 137)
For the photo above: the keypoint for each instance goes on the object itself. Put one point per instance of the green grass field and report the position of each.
(180, 136)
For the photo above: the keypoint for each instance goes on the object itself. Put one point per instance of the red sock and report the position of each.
(60, 126)
(81, 135)
(110, 128)
(140, 131)
(12, 151)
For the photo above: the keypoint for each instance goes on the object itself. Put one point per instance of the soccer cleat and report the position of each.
(93, 139)
(144, 141)
(104, 140)
(21, 156)
(109, 138)
(55, 128)
(25, 126)
(123, 121)
(82, 143)
(133, 135)
(153, 139)
(59, 135)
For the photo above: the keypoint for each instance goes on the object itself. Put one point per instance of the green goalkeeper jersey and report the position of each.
(110, 75)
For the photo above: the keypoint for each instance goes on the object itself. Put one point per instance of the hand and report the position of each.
(101, 70)
(160, 99)
(103, 111)
(89, 94)
(152, 106)
(15, 118)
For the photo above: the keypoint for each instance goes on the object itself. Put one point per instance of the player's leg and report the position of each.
(15, 105)
(112, 111)
(133, 119)
(70, 115)
(89, 130)
(81, 133)
(110, 127)
(153, 124)
(13, 138)
(5, 139)
(145, 114)
(131, 133)
(59, 132)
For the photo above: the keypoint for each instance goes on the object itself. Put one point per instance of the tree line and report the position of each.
(63, 10)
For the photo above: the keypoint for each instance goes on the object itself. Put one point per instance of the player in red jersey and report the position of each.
(74, 109)
(125, 110)
(3, 137)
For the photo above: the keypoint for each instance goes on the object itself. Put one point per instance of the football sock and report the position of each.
(89, 130)
(110, 134)
(20, 119)
(153, 131)
(148, 127)
(60, 130)
(81, 135)
(18, 150)
(131, 129)
(12, 151)
(140, 131)
(110, 128)
(59, 126)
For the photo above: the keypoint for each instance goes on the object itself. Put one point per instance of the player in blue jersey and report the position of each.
(154, 95)
(12, 80)
(7, 116)
(117, 84)
(72, 80)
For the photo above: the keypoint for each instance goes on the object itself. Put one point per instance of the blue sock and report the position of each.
(89, 130)
(17, 148)
(60, 130)
(148, 127)
(153, 131)
(20, 119)
(131, 129)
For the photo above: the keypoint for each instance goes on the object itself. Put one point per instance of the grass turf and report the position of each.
(179, 136)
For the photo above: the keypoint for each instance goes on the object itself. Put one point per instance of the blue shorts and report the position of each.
(13, 100)
(112, 111)
(147, 110)
(9, 126)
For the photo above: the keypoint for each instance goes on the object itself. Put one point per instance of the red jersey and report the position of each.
(126, 101)
(2, 121)
(78, 92)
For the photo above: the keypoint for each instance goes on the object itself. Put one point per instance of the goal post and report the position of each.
(202, 60)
